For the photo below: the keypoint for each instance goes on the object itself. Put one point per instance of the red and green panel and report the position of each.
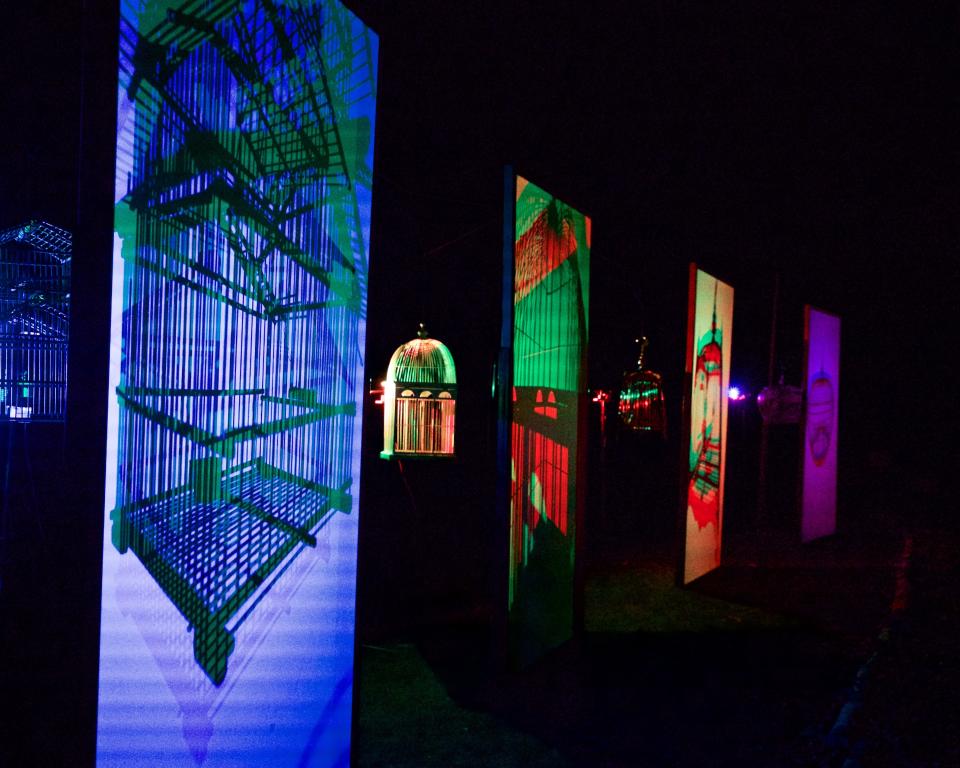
(551, 268)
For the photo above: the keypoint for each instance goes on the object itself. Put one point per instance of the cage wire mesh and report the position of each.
(245, 219)
(35, 260)
(420, 400)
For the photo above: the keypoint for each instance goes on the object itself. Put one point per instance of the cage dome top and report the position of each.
(422, 361)
(42, 236)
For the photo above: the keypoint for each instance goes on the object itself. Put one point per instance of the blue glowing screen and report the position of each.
(244, 169)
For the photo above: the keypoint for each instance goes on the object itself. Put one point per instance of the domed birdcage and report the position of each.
(419, 400)
(642, 407)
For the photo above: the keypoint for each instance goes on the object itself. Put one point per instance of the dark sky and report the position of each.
(815, 140)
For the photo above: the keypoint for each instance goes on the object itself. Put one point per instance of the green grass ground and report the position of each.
(749, 666)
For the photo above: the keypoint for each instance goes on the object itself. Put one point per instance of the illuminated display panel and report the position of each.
(709, 339)
(35, 260)
(242, 212)
(550, 309)
(822, 387)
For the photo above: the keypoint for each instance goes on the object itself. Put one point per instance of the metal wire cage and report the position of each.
(35, 262)
(642, 406)
(420, 400)
(245, 147)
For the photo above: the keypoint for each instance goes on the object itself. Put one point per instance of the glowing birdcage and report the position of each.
(642, 407)
(419, 400)
(780, 403)
(34, 321)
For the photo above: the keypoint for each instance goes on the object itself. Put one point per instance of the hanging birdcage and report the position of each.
(419, 400)
(642, 407)
(34, 321)
(780, 403)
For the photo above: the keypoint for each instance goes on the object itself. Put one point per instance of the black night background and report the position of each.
(811, 146)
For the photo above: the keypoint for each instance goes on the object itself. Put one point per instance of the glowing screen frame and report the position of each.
(244, 165)
(550, 303)
(821, 341)
(709, 343)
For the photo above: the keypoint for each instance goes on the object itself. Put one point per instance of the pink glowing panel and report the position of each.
(709, 338)
(821, 387)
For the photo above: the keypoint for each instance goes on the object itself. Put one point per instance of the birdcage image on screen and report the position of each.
(34, 321)
(243, 179)
(709, 340)
(550, 293)
(706, 426)
(420, 400)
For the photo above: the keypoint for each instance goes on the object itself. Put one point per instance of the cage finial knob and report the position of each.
(422, 333)
(643, 341)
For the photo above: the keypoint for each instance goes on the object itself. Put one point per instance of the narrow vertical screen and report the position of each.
(242, 212)
(822, 386)
(708, 365)
(550, 299)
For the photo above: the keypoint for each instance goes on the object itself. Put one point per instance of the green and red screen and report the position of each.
(551, 279)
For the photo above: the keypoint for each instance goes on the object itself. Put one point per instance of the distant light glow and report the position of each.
(735, 393)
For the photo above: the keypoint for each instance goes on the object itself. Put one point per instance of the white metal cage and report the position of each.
(420, 400)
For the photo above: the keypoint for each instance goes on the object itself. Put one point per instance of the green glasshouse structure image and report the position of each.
(245, 153)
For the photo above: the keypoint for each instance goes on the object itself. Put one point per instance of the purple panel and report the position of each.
(821, 390)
